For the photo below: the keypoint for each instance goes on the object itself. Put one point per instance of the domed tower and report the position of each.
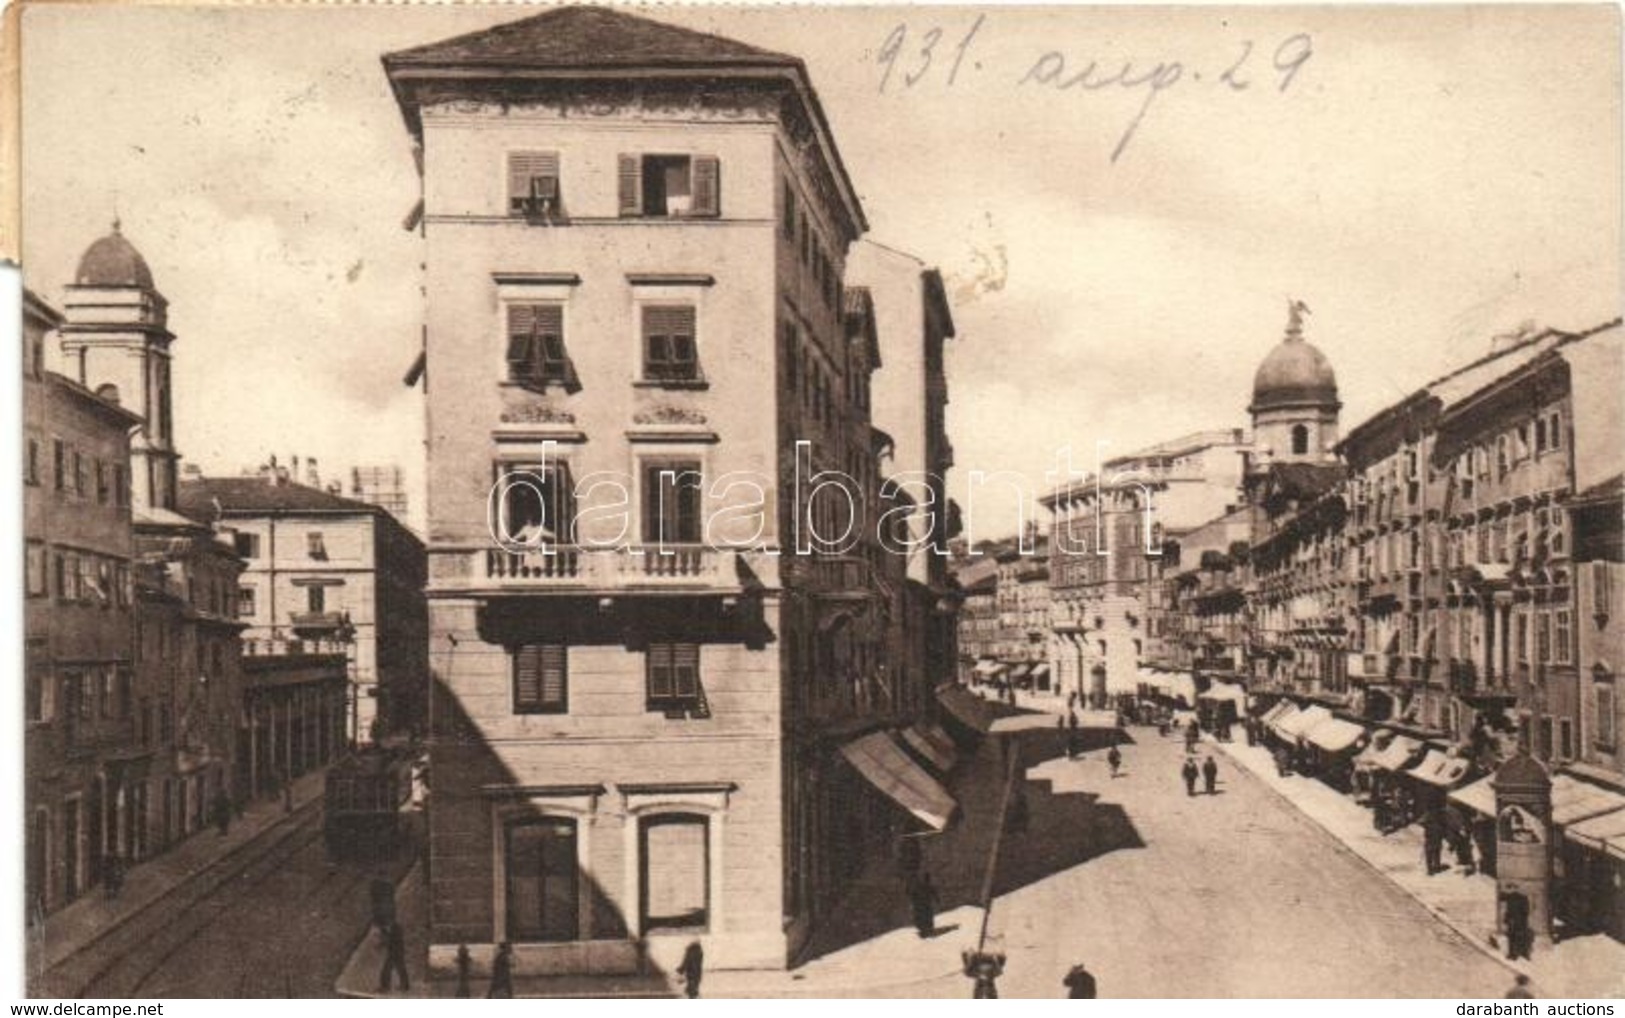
(116, 334)
(1295, 402)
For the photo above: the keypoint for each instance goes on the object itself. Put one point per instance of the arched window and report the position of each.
(1300, 439)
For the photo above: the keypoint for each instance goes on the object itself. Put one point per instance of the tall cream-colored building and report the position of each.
(651, 647)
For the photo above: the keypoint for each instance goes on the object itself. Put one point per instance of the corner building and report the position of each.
(635, 238)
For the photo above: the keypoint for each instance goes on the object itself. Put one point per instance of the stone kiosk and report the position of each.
(1523, 836)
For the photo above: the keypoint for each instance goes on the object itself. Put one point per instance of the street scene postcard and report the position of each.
(589, 501)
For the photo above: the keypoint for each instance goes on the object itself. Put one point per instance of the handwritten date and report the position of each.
(911, 60)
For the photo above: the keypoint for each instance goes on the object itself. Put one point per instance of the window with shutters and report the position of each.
(1562, 634)
(31, 465)
(1543, 637)
(247, 602)
(533, 185)
(316, 599)
(1600, 594)
(671, 502)
(59, 464)
(538, 504)
(670, 186)
(673, 671)
(35, 570)
(316, 546)
(670, 351)
(541, 679)
(536, 353)
(675, 888)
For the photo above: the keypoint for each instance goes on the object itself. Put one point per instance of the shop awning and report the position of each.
(1289, 711)
(1040, 671)
(986, 666)
(1274, 714)
(928, 750)
(884, 765)
(1020, 671)
(1335, 735)
(1399, 752)
(1156, 680)
(1439, 769)
(1182, 687)
(1297, 725)
(1026, 721)
(1478, 796)
(1602, 833)
(1574, 800)
(1221, 691)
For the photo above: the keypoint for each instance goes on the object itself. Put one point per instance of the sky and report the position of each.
(1120, 241)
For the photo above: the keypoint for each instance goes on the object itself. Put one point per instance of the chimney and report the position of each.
(312, 478)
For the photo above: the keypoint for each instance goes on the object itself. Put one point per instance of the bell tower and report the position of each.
(116, 340)
(1295, 405)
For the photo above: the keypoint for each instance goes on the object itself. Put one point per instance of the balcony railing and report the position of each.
(592, 569)
(316, 621)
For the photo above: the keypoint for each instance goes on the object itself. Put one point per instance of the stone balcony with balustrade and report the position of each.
(582, 570)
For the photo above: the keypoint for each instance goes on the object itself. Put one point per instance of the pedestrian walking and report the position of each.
(465, 968)
(221, 808)
(1519, 935)
(1210, 774)
(1074, 741)
(394, 958)
(1432, 842)
(922, 896)
(1114, 759)
(1189, 773)
(1193, 735)
(691, 968)
(502, 972)
(1080, 985)
(1521, 990)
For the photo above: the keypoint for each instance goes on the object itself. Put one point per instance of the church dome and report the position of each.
(113, 261)
(1295, 374)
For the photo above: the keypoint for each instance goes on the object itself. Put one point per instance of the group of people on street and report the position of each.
(1208, 772)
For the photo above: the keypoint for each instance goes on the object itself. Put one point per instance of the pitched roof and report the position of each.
(577, 37)
(255, 496)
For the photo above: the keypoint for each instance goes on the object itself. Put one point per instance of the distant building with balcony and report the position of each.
(1106, 534)
(1196, 606)
(660, 671)
(78, 613)
(326, 574)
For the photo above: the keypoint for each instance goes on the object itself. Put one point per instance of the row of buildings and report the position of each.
(161, 677)
(685, 449)
(1445, 571)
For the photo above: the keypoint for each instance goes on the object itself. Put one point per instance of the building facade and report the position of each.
(1106, 533)
(78, 675)
(653, 633)
(326, 574)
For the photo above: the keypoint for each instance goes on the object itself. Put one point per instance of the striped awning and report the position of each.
(1440, 769)
(919, 740)
(884, 765)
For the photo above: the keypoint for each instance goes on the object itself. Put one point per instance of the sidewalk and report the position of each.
(866, 947)
(1586, 966)
(204, 858)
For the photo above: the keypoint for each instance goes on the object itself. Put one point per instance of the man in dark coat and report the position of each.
(221, 808)
(394, 957)
(922, 896)
(984, 969)
(1210, 774)
(1433, 841)
(1080, 985)
(691, 968)
(465, 968)
(1189, 773)
(1114, 759)
(502, 972)
(1520, 936)
(1193, 735)
(1074, 743)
